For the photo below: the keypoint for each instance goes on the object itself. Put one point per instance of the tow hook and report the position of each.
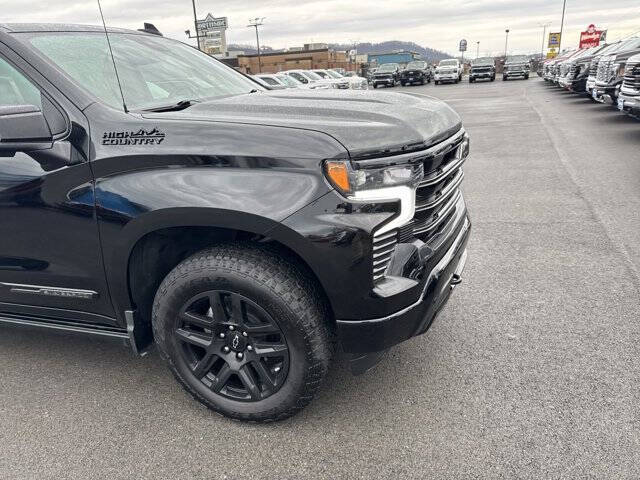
(456, 280)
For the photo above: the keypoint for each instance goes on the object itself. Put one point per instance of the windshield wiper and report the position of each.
(175, 107)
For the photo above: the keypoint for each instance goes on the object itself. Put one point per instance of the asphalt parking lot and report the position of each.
(531, 371)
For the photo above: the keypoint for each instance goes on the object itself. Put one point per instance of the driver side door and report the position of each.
(50, 257)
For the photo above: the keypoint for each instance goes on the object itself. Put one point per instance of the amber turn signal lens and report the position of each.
(338, 174)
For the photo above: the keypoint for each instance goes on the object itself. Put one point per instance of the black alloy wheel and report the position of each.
(245, 330)
(232, 345)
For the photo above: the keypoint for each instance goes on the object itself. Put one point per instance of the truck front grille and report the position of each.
(383, 247)
(573, 70)
(437, 197)
(604, 70)
(631, 82)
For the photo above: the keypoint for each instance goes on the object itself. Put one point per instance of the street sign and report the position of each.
(554, 40)
(463, 45)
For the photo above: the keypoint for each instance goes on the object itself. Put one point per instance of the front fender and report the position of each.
(133, 204)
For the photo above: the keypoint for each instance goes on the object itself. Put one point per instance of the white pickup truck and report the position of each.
(448, 70)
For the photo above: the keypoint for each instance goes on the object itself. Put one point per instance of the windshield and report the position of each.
(630, 44)
(311, 75)
(154, 71)
(270, 81)
(333, 74)
(321, 73)
(517, 59)
(609, 48)
(289, 81)
(448, 63)
(417, 65)
(388, 67)
(483, 61)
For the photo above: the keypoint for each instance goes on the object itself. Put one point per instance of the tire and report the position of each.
(436, 82)
(526, 77)
(422, 82)
(404, 84)
(268, 376)
(375, 85)
(471, 80)
(504, 79)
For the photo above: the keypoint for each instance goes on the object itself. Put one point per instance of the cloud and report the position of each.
(434, 23)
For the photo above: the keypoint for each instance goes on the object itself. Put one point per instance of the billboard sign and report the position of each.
(592, 37)
(212, 23)
(463, 45)
(554, 40)
(212, 35)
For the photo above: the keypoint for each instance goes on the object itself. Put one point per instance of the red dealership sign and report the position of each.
(591, 37)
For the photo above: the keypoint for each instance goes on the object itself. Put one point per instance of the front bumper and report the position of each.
(384, 81)
(369, 336)
(516, 73)
(629, 104)
(602, 93)
(442, 77)
(480, 75)
(417, 77)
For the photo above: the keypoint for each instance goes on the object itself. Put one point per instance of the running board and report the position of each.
(132, 336)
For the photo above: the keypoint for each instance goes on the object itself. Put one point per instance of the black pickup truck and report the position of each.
(482, 69)
(387, 75)
(157, 196)
(416, 72)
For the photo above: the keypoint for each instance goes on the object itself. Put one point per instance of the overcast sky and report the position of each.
(433, 23)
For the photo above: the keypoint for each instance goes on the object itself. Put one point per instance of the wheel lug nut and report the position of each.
(232, 328)
(222, 335)
(226, 349)
(250, 348)
(244, 334)
(240, 355)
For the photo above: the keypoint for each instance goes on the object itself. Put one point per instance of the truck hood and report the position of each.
(363, 122)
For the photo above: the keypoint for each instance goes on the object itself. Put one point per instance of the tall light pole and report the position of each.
(506, 44)
(544, 37)
(564, 8)
(256, 22)
(195, 22)
(478, 50)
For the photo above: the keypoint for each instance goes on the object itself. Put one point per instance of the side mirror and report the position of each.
(23, 128)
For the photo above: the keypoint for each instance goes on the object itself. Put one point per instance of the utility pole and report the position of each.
(478, 50)
(564, 7)
(195, 22)
(506, 45)
(256, 22)
(544, 38)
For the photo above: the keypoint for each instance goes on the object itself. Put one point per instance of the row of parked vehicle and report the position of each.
(607, 73)
(417, 72)
(449, 70)
(312, 79)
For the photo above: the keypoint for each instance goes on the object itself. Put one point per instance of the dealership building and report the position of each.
(403, 57)
(305, 58)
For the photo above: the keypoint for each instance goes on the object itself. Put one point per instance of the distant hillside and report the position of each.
(385, 47)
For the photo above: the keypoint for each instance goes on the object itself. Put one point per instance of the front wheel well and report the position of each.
(159, 252)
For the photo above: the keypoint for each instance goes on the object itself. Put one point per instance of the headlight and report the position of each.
(617, 70)
(350, 182)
